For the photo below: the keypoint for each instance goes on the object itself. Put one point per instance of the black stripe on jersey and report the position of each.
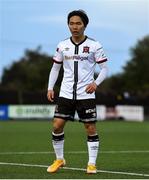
(76, 67)
(75, 80)
(76, 49)
(77, 45)
(101, 61)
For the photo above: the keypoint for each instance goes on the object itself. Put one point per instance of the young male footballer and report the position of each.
(78, 55)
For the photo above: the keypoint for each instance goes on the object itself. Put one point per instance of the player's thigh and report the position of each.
(86, 110)
(65, 109)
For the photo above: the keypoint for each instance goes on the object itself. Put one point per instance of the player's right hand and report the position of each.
(50, 95)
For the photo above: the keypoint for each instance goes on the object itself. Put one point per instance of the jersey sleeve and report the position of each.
(58, 56)
(100, 56)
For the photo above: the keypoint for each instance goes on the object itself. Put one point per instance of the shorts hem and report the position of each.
(87, 121)
(64, 118)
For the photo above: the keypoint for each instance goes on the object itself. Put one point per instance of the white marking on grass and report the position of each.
(125, 151)
(111, 172)
(17, 153)
(75, 152)
(75, 169)
(20, 164)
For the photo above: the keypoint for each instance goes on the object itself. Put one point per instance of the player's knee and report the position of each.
(90, 128)
(58, 126)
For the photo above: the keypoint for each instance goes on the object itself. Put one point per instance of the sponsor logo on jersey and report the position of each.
(86, 49)
(76, 57)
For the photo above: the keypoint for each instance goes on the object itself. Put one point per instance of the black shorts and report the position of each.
(85, 108)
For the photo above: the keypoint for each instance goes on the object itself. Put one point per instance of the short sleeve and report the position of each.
(100, 56)
(58, 56)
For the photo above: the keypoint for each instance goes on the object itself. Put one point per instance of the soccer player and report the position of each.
(79, 55)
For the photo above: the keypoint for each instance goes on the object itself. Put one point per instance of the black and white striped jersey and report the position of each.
(79, 61)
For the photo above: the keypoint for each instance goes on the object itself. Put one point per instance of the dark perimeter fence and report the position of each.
(107, 99)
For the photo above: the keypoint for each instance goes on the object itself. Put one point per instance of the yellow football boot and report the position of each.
(56, 165)
(91, 169)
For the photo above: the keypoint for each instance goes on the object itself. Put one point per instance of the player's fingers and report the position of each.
(88, 87)
(90, 90)
(50, 96)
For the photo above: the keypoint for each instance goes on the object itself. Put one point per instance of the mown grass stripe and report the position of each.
(76, 152)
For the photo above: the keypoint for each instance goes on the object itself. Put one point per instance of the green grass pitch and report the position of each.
(26, 150)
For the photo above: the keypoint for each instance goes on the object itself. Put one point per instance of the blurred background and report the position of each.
(29, 33)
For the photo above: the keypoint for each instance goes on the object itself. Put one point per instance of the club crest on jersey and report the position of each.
(85, 49)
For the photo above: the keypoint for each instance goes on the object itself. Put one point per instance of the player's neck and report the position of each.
(78, 39)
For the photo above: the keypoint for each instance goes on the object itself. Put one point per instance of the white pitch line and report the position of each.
(17, 153)
(76, 169)
(125, 151)
(111, 172)
(20, 164)
(75, 152)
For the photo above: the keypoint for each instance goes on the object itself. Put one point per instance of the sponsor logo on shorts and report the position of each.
(90, 110)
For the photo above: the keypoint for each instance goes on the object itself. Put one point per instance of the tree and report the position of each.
(30, 73)
(135, 76)
(136, 70)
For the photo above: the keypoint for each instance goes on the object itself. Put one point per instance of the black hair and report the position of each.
(82, 14)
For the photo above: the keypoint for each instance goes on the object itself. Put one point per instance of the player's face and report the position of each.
(76, 26)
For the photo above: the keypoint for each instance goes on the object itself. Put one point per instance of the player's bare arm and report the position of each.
(50, 95)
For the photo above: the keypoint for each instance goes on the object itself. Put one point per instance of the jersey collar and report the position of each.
(80, 42)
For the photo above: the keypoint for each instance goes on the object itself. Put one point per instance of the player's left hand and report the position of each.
(91, 88)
